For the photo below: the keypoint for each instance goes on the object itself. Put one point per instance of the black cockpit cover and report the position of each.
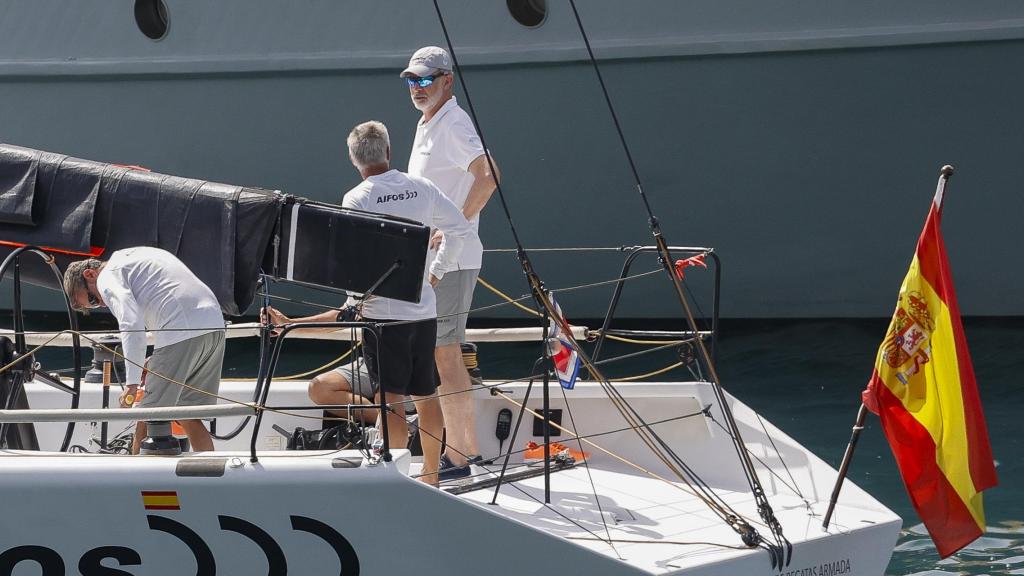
(78, 208)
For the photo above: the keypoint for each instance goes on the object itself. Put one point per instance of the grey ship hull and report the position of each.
(804, 146)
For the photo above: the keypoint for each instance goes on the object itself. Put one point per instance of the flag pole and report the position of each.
(858, 426)
(940, 190)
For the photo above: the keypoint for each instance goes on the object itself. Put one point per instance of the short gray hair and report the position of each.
(73, 279)
(368, 144)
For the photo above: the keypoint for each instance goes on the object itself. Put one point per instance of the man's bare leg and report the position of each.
(333, 388)
(140, 434)
(431, 426)
(398, 429)
(457, 404)
(198, 436)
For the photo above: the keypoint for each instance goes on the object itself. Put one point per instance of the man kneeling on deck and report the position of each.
(150, 289)
(346, 384)
(402, 363)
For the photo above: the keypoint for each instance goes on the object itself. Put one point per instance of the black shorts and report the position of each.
(406, 357)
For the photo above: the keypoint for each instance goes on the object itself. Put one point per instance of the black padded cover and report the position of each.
(75, 209)
(81, 208)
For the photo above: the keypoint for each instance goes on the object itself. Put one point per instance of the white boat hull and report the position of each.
(79, 506)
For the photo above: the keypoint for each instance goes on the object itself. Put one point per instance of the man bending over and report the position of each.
(150, 289)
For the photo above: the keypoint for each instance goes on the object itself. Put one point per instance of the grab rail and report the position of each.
(263, 383)
(116, 414)
(619, 286)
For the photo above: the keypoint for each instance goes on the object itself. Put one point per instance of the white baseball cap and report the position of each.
(427, 61)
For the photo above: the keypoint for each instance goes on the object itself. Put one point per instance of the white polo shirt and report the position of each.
(399, 194)
(150, 289)
(442, 152)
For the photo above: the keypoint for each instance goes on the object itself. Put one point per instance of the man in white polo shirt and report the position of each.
(447, 150)
(150, 289)
(405, 352)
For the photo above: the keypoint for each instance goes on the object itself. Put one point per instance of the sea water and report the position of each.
(805, 376)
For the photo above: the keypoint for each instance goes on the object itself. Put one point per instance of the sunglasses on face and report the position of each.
(91, 301)
(422, 82)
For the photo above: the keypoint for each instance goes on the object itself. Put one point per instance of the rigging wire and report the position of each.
(792, 484)
(541, 295)
(590, 436)
(781, 550)
(260, 369)
(88, 336)
(692, 490)
(520, 250)
(506, 297)
(689, 488)
(532, 497)
(303, 374)
(586, 465)
(578, 249)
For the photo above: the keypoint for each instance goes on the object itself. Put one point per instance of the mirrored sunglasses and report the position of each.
(422, 82)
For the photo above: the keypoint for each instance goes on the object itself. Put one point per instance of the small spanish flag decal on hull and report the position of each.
(160, 500)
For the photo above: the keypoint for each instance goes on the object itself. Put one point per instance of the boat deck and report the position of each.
(642, 524)
(663, 527)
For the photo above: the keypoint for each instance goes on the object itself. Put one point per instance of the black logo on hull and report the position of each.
(51, 563)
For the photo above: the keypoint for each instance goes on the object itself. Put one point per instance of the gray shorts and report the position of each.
(454, 297)
(196, 362)
(359, 380)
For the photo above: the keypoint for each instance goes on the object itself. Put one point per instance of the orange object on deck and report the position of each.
(176, 429)
(535, 451)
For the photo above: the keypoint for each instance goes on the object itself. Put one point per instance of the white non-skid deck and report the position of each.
(662, 527)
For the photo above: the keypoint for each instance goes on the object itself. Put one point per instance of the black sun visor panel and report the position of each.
(325, 245)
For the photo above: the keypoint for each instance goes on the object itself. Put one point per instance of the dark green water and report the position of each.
(806, 377)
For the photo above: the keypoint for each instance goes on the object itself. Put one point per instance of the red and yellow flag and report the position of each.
(160, 500)
(924, 392)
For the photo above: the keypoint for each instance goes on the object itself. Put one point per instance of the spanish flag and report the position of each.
(924, 392)
(163, 500)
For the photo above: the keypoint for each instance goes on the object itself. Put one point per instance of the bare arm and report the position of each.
(484, 184)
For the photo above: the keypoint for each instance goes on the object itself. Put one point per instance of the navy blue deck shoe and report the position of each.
(449, 471)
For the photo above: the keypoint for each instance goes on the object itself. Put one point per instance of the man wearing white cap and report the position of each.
(447, 150)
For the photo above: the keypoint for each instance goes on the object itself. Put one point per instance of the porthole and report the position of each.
(151, 18)
(530, 13)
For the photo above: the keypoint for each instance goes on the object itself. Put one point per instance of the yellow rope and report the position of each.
(117, 354)
(315, 370)
(506, 297)
(634, 341)
(648, 375)
(32, 353)
(510, 300)
(292, 377)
